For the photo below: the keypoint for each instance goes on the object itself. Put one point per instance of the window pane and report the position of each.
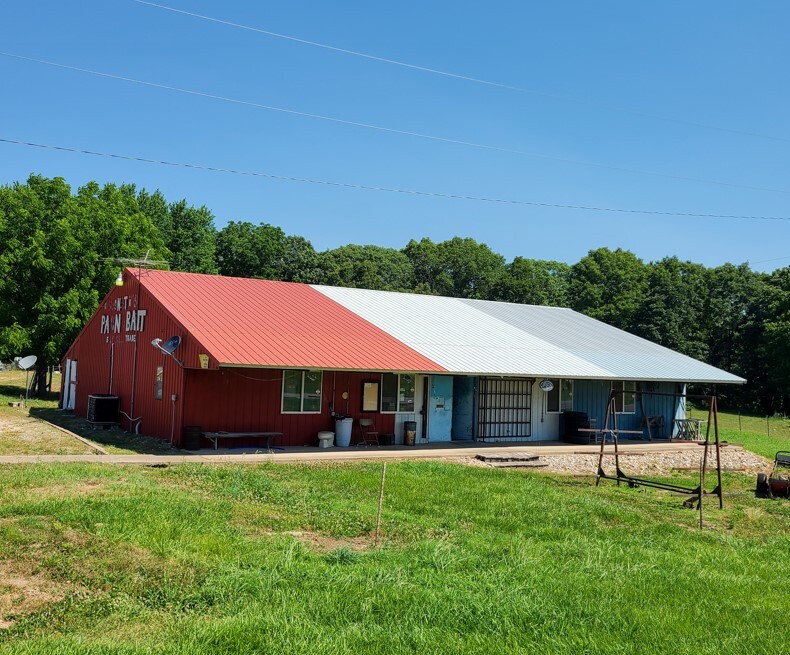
(159, 384)
(553, 397)
(312, 391)
(629, 399)
(406, 393)
(292, 391)
(566, 395)
(370, 396)
(389, 392)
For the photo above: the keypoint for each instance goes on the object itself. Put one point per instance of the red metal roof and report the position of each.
(279, 324)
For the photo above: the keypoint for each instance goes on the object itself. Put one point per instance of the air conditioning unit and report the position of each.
(103, 408)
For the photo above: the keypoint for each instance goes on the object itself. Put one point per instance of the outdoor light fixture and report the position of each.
(119, 279)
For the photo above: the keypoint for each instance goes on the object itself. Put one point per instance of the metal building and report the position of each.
(264, 356)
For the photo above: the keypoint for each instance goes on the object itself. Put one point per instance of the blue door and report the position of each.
(440, 408)
(463, 407)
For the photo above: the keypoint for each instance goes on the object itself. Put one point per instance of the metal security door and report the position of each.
(504, 409)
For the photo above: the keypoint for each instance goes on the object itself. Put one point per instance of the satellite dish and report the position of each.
(547, 385)
(171, 345)
(26, 362)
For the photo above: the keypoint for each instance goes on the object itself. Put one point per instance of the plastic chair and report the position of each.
(366, 434)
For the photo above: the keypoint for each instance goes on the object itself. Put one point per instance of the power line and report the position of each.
(381, 128)
(775, 259)
(466, 78)
(412, 192)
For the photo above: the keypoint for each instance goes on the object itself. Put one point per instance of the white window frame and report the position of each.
(558, 383)
(625, 390)
(398, 410)
(302, 394)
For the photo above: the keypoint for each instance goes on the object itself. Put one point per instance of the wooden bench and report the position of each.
(214, 437)
(596, 434)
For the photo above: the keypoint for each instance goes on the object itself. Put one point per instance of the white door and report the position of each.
(545, 424)
(64, 383)
(72, 386)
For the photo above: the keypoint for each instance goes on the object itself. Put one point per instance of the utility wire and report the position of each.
(775, 259)
(381, 128)
(466, 78)
(412, 192)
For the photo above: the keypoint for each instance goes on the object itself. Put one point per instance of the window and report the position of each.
(560, 398)
(302, 392)
(624, 403)
(370, 396)
(397, 392)
(159, 383)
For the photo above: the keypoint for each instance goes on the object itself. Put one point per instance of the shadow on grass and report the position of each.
(113, 438)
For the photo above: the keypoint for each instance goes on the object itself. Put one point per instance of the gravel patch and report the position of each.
(650, 463)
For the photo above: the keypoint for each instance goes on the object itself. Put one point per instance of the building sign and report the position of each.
(121, 320)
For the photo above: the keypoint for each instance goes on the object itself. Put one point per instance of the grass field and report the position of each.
(278, 559)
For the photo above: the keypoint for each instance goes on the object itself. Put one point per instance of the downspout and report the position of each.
(134, 364)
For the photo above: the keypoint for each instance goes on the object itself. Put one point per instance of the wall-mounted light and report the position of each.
(119, 279)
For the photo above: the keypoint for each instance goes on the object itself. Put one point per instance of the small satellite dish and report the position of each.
(27, 362)
(547, 385)
(171, 345)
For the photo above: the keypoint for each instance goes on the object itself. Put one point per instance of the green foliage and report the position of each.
(534, 282)
(368, 267)
(54, 248)
(191, 239)
(461, 268)
(247, 250)
(608, 285)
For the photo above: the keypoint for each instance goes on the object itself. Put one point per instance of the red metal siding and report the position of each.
(106, 336)
(237, 400)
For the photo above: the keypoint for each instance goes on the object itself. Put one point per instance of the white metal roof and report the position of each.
(480, 337)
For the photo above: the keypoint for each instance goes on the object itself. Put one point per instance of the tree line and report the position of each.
(57, 249)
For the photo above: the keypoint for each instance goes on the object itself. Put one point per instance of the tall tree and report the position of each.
(55, 252)
(191, 239)
(534, 282)
(368, 267)
(247, 250)
(672, 310)
(608, 285)
(458, 267)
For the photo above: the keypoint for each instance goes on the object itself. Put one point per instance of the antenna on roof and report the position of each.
(169, 347)
(139, 264)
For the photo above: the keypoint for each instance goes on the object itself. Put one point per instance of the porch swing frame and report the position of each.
(610, 431)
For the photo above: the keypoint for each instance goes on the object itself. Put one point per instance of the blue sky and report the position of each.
(672, 106)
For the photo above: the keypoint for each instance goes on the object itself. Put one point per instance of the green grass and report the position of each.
(202, 559)
(758, 434)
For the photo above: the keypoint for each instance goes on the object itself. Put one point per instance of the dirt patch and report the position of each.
(23, 591)
(324, 544)
(21, 434)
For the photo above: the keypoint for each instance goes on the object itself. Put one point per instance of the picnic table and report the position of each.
(214, 437)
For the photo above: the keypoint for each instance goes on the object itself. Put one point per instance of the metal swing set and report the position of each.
(610, 432)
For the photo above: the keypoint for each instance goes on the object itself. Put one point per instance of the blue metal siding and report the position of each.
(591, 396)
(463, 407)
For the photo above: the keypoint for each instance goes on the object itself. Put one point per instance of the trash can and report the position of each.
(191, 440)
(343, 431)
(410, 432)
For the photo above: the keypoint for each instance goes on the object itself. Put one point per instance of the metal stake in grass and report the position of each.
(381, 502)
